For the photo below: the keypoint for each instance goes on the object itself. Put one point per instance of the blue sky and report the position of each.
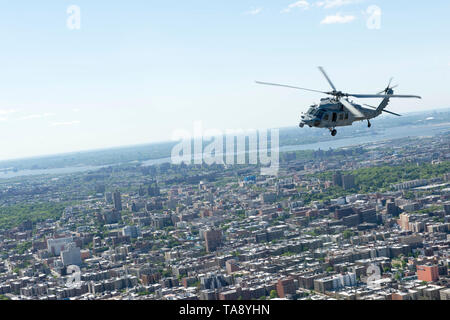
(138, 70)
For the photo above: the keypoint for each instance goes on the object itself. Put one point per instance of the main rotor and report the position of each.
(342, 96)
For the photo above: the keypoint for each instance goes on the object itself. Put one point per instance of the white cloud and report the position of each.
(68, 123)
(38, 116)
(254, 12)
(337, 18)
(302, 4)
(328, 4)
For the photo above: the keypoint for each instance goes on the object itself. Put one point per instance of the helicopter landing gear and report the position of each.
(333, 132)
(369, 124)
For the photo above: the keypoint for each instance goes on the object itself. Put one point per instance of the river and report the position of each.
(387, 134)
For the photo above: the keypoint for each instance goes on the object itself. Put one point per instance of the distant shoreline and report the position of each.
(387, 135)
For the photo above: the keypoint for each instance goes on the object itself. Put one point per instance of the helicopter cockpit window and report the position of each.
(311, 110)
(319, 114)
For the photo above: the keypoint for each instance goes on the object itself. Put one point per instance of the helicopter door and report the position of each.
(334, 117)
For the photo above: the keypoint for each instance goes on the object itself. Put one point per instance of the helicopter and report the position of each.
(338, 111)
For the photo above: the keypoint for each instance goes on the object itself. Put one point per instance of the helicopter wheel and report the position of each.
(333, 132)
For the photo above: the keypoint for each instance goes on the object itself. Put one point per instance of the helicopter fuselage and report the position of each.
(330, 113)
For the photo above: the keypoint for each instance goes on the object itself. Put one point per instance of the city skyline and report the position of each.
(365, 222)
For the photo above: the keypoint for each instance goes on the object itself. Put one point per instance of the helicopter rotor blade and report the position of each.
(395, 114)
(352, 108)
(363, 96)
(328, 78)
(390, 81)
(287, 86)
(384, 110)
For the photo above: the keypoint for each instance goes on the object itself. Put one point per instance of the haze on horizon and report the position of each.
(138, 70)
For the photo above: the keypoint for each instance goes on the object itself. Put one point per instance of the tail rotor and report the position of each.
(385, 91)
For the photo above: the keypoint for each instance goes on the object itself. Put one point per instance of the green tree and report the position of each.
(273, 294)
(348, 234)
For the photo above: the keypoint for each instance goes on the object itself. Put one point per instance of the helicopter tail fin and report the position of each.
(385, 101)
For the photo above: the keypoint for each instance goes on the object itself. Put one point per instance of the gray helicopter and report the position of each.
(338, 111)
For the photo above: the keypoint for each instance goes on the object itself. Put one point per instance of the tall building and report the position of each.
(403, 221)
(141, 191)
(55, 246)
(392, 209)
(108, 198)
(429, 273)
(71, 255)
(348, 181)
(337, 179)
(117, 200)
(153, 189)
(213, 239)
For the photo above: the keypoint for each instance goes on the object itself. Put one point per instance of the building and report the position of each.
(429, 273)
(71, 255)
(403, 221)
(111, 216)
(323, 284)
(213, 239)
(369, 216)
(445, 294)
(336, 282)
(447, 208)
(269, 197)
(108, 198)
(337, 179)
(117, 201)
(285, 287)
(348, 182)
(131, 231)
(231, 266)
(55, 246)
(392, 209)
(153, 189)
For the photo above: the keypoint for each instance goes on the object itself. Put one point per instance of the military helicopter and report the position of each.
(338, 111)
